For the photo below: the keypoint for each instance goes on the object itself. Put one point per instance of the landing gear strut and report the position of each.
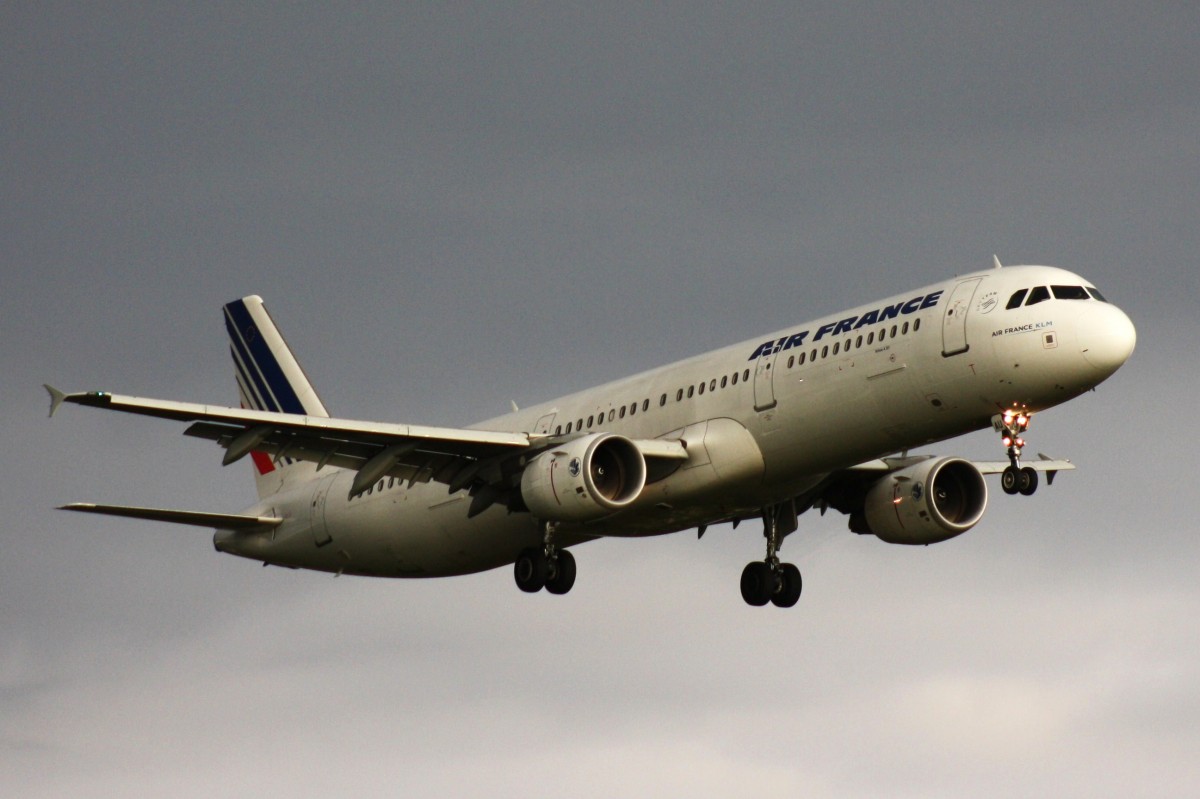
(548, 567)
(1015, 478)
(769, 580)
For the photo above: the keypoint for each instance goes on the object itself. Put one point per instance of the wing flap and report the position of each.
(1044, 463)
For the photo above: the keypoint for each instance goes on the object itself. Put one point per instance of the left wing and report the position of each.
(373, 449)
(459, 458)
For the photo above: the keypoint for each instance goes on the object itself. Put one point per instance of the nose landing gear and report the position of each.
(1015, 479)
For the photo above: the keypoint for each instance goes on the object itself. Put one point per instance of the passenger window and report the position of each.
(701, 388)
(1070, 293)
(825, 351)
(791, 361)
(871, 338)
(590, 420)
(646, 403)
(893, 331)
(883, 334)
(558, 430)
(568, 427)
(724, 380)
(802, 358)
(735, 377)
(612, 414)
(1015, 300)
(622, 415)
(1096, 293)
(679, 395)
(916, 325)
(712, 386)
(1039, 294)
(691, 391)
(858, 343)
(745, 374)
(579, 425)
(661, 400)
(837, 347)
(904, 330)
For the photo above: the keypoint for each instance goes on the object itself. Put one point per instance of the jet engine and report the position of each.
(585, 479)
(926, 502)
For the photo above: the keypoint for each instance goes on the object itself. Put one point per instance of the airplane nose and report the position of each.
(1106, 337)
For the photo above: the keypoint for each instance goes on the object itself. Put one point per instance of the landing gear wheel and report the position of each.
(790, 585)
(758, 583)
(1028, 481)
(531, 570)
(1010, 480)
(562, 576)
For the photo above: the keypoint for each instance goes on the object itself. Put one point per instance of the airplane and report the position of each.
(820, 415)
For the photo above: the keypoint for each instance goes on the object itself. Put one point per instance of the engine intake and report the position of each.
(927, 502)
(585, 479)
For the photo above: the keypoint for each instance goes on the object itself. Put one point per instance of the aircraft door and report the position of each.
(764, 382)
(544, 424)
(954, 323)
(320, 532)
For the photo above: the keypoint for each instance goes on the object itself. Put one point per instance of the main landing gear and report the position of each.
(1015, 479)
(769, 580)
(548, 567)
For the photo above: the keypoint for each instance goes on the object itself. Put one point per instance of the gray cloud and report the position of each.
(440, 202)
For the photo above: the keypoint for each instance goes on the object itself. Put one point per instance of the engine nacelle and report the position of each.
(927, 502)
(585, 479)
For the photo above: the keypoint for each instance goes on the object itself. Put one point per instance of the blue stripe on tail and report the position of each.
(260, 364)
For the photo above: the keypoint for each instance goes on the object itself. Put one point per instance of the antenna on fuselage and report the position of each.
(996, 261)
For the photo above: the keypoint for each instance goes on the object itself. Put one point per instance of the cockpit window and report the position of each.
(1095, 293)
(1015, 300)
(1070, 293)
(1038, 294)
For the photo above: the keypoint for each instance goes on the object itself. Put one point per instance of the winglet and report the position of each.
(56, 397)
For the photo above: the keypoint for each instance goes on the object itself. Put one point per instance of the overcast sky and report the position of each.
(449, 207)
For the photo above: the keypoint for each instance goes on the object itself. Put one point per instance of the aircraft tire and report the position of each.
(758, 583)
(1028, 482)
(790, 586)
(1010, 480)
(530, 570)
(563, 576)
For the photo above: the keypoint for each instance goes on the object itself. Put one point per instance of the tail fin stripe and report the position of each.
(261, 362)
(245, 392)
(243, 359)
(251, 386)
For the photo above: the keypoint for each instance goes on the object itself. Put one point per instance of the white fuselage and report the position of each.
(762, 420)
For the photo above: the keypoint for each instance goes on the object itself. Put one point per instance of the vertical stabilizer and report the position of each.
(269, 379)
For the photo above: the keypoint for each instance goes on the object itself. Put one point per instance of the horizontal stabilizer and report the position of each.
(219, 521)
